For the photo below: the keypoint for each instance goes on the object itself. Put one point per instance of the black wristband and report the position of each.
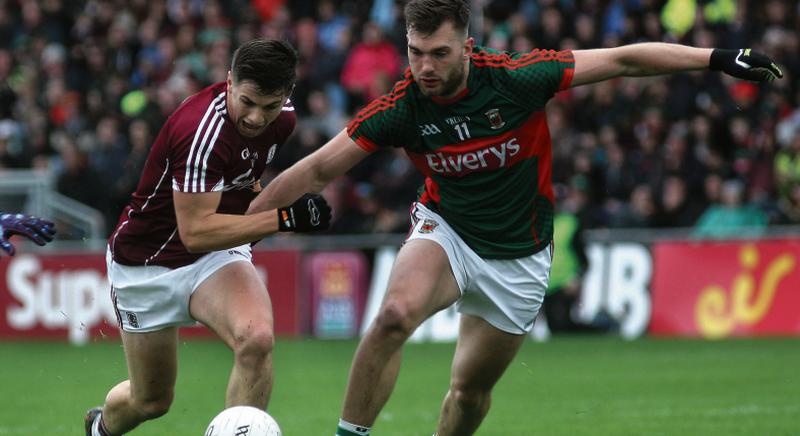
(719, 57)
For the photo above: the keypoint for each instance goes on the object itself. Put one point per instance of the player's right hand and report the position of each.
(308, 214)
(37, 230)
(745, 64)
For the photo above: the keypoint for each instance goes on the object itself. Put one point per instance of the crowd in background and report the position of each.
(85, 86)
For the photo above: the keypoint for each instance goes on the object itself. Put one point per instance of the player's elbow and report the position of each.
(195, 248)
(192, 240)
(193, 245)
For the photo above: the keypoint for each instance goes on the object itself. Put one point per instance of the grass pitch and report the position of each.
(568, 386)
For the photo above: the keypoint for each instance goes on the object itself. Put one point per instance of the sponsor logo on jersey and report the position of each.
(492, 157)
(242, 181)
(452, 121)
(246, 154)
(428, 225)
(271, 153)
(495, 120)
(429, 129)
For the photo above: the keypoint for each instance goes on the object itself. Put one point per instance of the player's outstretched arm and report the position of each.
(36, 229)
(654, 58)
(310, 174)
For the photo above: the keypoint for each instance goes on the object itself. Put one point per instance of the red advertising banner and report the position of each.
(67, 295)
(282, 272)
(722, 289)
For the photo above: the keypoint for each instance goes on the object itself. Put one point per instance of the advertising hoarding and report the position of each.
(52, 296)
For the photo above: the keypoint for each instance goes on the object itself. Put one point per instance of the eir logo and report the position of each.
(242, 430)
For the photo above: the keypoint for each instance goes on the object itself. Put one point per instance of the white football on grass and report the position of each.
(243, 421)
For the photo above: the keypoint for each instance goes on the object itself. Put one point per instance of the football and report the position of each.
(243, 421)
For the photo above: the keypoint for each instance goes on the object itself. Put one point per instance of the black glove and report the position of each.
(745, 64)
(309, 213)
(36, 229)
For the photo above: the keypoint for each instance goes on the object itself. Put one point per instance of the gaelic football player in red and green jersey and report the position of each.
(472, 121)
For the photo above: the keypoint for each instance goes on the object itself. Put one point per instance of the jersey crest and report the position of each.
(495, 120)
(428, 225)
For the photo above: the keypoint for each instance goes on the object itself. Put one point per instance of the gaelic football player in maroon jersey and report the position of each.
(472, 120)
(181, 251)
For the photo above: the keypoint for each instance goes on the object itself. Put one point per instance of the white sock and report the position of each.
(355, 428)
(96, 427)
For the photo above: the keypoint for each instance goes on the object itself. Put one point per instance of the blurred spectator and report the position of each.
(639, 211)
(372, 66)
(80, 181)
(324, 71)
(787, 166)
(107, 149)
(731, 218)
(332, 24)
(789, 205)
(676, 207)
(124, 184)
(569, 265)
(323, 117)
(9, 145)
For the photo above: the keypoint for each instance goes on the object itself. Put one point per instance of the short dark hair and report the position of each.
(268, 63)
(425, 16)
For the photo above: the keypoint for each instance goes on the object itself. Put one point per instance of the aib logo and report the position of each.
(719, 311)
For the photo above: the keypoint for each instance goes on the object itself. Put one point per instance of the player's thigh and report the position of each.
(483, 353)
(231, 300)
(421, 279)
(152, 363)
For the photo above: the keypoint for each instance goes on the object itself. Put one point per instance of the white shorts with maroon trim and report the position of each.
(150, 298)
(507, 293)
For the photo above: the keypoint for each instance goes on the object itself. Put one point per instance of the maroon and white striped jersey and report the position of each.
(197, 150)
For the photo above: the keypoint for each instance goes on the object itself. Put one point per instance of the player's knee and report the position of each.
(470, 398)
(395, 319)
(152, 408)
(254, 344)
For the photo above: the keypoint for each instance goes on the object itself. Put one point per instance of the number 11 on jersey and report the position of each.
(462, 130)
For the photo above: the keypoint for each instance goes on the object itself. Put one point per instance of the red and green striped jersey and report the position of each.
(486, 153)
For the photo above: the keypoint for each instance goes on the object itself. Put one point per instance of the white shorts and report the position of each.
(150, 298)
(507, 293)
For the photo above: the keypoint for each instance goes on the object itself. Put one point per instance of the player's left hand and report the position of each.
(308, 214)
(37, 230)
(745, 64)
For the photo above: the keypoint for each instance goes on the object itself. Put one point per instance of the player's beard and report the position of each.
(448, 86)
